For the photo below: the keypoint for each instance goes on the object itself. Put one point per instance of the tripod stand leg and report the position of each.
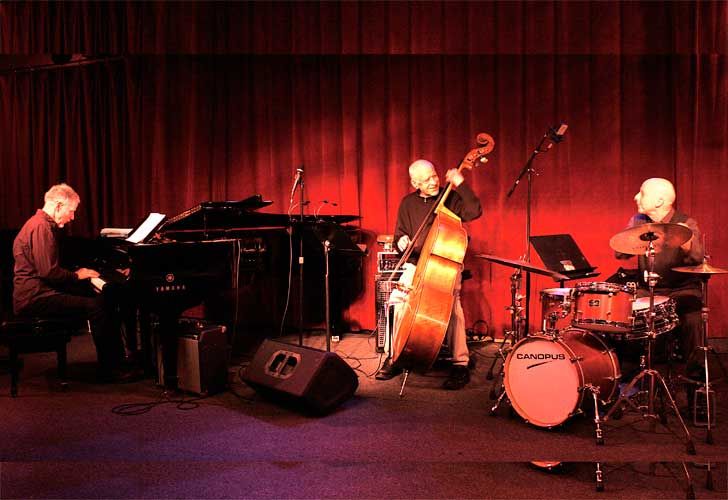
(597, 420)
(624, 398)
(497, 403)
(404, 382)
(499, 383)
(599, 477)
(501, 354)
(708, 409)
(690, 447)
(689, 491)
(489, 375)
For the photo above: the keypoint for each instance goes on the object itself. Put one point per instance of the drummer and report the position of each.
(655, 204)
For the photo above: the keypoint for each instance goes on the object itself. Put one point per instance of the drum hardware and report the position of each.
(632, 241)
(516, 308)
(513, 335)
(524, 265)
(704, 271)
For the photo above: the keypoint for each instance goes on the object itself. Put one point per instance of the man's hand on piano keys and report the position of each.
(84, 273)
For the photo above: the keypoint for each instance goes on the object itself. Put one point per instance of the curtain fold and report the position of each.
(365, 27)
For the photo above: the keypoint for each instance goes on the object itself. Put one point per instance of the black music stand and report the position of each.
(561, 254)
(333, 237)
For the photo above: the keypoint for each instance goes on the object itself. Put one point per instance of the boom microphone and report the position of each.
(297, 181)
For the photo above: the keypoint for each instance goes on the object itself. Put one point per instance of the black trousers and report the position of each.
(104, 329)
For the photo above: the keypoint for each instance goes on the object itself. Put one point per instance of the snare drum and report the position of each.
(605, 307)
(546, 376)
(555, 308)
(665, 316)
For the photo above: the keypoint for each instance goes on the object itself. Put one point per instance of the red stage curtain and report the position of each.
(367, 27)
(643, 87)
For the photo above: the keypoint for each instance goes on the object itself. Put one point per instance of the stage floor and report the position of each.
(136, 441)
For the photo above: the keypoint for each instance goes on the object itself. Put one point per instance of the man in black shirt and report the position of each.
(42, 288)
(413, 209)
(655, 205)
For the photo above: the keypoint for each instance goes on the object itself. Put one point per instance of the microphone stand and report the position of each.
(551, 136)
(301, 199)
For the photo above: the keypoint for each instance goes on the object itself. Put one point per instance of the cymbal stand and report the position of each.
(706, 349)
(653, 376)
(514, 334)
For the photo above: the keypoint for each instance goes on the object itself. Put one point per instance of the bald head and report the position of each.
(656, 198)
(424, 177)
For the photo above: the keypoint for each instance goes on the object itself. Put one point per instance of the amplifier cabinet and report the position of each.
(202, 357)
(384, 285)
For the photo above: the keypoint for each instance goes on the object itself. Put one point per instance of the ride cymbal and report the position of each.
(636, 240)
(703, 268)
(522, 264)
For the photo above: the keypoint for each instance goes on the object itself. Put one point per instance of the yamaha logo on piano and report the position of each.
(169, 277)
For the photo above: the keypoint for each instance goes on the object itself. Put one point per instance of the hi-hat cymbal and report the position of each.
(636, 240)
(703, 268)
(522, 264)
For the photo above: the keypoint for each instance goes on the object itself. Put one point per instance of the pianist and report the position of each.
(42, 288)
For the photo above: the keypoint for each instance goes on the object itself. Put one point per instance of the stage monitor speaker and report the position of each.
(309, 379)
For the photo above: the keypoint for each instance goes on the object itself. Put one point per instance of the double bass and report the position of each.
(427, 309)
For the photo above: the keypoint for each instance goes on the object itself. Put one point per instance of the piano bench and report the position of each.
(32, 335)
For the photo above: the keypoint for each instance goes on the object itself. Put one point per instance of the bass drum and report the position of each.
(546, 375)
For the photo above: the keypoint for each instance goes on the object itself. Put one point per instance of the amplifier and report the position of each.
(382, 290)
(386, 261)
(202, 357)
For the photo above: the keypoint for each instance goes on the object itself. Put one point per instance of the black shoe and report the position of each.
(388, 370)
(457, 379)
(117, 376)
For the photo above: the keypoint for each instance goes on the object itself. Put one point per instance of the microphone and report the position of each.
(297, 181)
(557, 135)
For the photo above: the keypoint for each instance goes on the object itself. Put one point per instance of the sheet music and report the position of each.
(98, 284)
(150, 224)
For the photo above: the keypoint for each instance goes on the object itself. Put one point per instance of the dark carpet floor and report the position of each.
(136, 441)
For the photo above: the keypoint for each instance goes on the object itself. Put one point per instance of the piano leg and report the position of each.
(167, 351)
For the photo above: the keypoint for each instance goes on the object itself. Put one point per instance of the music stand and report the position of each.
(561, 254)
(333, 237)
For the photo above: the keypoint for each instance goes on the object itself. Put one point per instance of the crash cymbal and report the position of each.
(636, 240)
(703, 268)
(522, 264)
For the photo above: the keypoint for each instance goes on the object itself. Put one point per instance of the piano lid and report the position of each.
(227, 215)
(214, 214)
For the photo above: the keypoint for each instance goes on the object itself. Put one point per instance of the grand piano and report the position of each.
(232, 258)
